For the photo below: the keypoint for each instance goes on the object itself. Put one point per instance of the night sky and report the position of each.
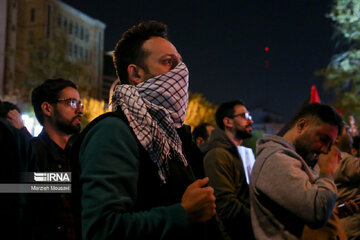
(223, 44)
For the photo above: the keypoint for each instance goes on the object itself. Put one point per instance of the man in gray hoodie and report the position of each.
(284, 193)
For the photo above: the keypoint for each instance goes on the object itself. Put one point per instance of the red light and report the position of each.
(266, 49)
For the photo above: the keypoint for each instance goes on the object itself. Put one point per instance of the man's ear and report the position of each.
(337, 139)
(47, 109)
(228, 122)
(136, 74)
(353, 152)
(199, 140)
(301, 124)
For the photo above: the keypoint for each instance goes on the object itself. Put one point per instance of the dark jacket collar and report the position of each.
(218, 138)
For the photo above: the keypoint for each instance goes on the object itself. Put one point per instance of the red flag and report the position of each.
(314, 98)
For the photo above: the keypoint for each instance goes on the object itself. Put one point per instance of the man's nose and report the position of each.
(176, 60)
(79, 110)
(325, 148)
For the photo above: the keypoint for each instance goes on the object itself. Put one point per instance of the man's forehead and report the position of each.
(328, 129)
(240, 108)
(160, 46)
(69, 92)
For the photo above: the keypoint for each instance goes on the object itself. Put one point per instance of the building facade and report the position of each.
(26, 21)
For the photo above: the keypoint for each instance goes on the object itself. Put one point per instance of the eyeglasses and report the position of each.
(245, 115)
(72, 102)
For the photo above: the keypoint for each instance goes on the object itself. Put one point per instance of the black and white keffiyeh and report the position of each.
(154, 109)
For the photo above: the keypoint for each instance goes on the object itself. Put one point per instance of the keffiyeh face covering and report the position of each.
(154, 109)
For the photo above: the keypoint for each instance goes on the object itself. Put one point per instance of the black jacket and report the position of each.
(50, 215)
(15, 152)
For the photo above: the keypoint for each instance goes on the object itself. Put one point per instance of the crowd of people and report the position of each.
(139, 173)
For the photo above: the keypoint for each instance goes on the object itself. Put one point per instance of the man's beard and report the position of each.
(303, 150)
(243, 134)
(66, 126)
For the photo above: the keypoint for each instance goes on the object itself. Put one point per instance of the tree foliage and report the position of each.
(199, 110)
(92, 109)
(346, 15)
(47, 59)
(343, 73)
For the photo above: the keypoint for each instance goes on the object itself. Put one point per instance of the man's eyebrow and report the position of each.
(172, 55)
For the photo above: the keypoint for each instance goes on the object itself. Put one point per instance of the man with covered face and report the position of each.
(284, 193)
(226, 171)
(135, 174)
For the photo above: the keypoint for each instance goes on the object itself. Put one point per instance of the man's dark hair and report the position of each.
(129, 50)
(5, 107)
(226, 110)
(322, 112)
(49, 91)
(356, 142)
(201, 131)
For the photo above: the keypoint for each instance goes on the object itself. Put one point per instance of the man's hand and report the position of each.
(348, 208)
(328, 163)
(199, 201)
(14, 117)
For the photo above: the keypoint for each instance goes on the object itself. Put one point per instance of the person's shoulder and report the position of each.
(218, 154)
(108, 133)
(7, 132)
(348, 160)
(348, 157)
(113, 120)
(109, 126)
(218, 150)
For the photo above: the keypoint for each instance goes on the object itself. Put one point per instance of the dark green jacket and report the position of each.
(225, 170)
(122, 195)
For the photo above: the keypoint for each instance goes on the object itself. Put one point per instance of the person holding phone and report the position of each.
(347, 179)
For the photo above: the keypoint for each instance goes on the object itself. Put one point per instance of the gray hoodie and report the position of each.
(285, 194)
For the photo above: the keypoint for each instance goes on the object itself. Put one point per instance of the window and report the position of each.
(65, 22)
(70, 27)
(59, 20)
(81, 33)
(87, 35)
(75, 50)
(32, 15)
(48, 22)
(76, 30)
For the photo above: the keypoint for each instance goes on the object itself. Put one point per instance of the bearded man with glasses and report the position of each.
(58, 108)
(225, 169)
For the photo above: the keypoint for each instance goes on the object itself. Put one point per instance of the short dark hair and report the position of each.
(129, 50)
(5, 107)
(356, 142)
(226, 110)
(201, 131)
(323, 112)
(48, 91)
